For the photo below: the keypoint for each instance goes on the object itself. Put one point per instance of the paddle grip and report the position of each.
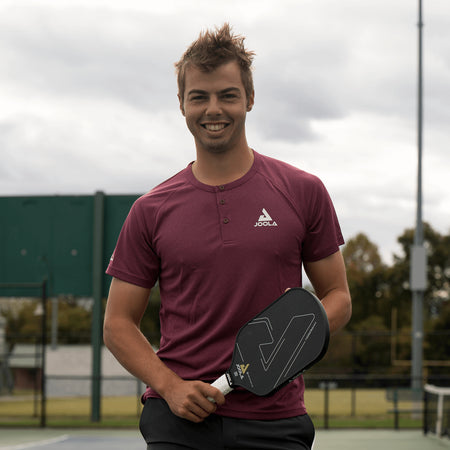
(222, 384)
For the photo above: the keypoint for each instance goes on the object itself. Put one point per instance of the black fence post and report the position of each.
(326, 406)
(395, 401)
(43, 421)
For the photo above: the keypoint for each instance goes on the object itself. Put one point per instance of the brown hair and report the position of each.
(212, 49)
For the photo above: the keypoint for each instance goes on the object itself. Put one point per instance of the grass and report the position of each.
(70, 411)
(344, 402)
(362, 408)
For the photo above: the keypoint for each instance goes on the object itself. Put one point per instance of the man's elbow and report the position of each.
(349, 309)
(340, 313)
(346, 309)
(108, 333)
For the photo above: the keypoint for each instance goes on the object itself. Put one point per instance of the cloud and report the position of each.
(79, 52)
(89, 101)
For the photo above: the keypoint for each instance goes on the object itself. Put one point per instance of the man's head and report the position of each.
(213, 49)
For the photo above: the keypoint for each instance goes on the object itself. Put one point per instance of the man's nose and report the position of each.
(214, 107)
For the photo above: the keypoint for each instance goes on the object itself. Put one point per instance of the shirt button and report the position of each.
(222, 202)
(226, 220)
(222, 187)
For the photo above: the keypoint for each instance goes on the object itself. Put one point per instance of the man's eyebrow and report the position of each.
(230, 89)
(196, 91)
(223, 91)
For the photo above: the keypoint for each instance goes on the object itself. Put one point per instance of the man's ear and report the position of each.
(250, 101)
(181, 104)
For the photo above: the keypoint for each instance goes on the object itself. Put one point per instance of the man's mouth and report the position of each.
(214, 126)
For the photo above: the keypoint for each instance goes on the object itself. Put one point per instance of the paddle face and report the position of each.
(278, 344)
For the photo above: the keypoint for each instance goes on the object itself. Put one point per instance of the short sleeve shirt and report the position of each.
(221, 254)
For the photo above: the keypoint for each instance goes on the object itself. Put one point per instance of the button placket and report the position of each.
(224, 212)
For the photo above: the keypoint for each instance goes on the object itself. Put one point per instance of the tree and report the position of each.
(361, 256)
(372, 350)
(24, 321)
(74, 321)
(366, 279)
(437, 340)
(438, 273)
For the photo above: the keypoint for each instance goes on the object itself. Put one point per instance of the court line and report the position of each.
(62, 438)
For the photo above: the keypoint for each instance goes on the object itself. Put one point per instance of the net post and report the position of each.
(434, 410)
(440, 411)
(425, 411)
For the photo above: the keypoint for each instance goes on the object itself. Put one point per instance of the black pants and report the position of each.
(162, 430)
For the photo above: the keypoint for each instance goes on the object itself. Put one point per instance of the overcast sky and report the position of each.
(88, 99)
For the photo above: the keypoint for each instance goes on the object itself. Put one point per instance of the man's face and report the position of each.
(215, 107)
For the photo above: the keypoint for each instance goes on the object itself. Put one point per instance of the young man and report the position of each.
(225, 237)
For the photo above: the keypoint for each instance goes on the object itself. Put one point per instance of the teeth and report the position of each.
(214, 126)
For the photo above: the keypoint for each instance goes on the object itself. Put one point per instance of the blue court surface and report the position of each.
(58, 439)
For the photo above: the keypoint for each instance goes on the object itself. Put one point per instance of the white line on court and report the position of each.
(62, 438)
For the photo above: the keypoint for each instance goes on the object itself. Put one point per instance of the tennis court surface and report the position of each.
(59, 439)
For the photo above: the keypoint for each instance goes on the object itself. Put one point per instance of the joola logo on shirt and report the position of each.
(242, 368)
(265, 220)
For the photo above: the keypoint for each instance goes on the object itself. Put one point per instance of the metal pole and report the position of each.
(418, 255)
(418, 238)
(54, 334)
(97, 291)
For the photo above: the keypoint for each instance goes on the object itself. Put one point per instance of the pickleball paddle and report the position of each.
(278, 344)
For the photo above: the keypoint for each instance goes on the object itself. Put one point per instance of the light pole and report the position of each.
(418, 277)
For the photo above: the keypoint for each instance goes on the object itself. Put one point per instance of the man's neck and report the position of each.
(222, 168)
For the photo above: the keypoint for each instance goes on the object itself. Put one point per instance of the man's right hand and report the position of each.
(189, 399)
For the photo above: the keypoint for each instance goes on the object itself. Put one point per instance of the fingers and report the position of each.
(189, 400)
(196, 413)
(214, 395)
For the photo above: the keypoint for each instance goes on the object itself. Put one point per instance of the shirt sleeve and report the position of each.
(324, 234)
(134, 259)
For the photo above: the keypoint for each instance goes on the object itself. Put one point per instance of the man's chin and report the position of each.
(215, 147)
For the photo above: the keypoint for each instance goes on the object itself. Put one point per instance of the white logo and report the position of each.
(265, 220)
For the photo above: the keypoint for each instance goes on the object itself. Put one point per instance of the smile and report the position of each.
(214, 126)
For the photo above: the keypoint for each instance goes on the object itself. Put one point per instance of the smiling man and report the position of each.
(215, 106)
(224, 237)
(215, 102)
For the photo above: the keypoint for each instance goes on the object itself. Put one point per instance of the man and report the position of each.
(225, 237)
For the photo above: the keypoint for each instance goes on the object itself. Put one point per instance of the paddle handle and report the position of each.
(222, 384)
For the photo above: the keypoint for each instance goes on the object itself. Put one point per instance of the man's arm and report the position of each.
(329, 280)
(122, 335)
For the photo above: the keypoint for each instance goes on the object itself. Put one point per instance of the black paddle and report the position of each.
(278, 344)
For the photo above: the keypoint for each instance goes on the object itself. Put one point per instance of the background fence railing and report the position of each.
(334, 401)
(46, 378)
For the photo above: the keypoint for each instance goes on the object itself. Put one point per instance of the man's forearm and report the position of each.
(135, 353)
(338, 306)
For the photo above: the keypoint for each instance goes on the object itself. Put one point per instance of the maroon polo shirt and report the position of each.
(222, 254)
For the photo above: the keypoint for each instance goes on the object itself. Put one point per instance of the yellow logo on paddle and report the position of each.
(242, 368)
